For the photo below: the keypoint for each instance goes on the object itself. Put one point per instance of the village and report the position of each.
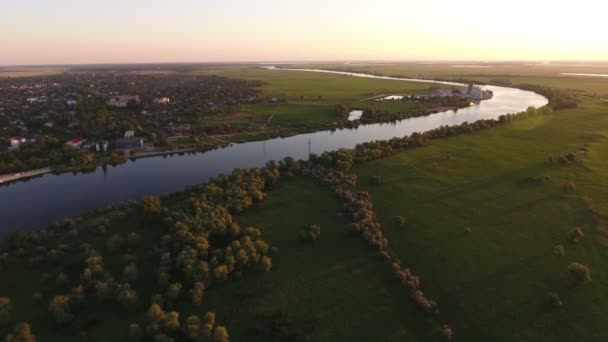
(53, 119)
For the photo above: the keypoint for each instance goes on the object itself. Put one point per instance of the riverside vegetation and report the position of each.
(185, 257)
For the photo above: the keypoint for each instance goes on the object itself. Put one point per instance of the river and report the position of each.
(36, 202)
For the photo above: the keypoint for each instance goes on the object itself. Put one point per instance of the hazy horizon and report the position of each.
(66, 32)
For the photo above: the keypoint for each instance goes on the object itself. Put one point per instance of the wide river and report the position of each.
(43, 200)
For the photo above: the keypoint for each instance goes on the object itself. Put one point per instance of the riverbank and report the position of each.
(5, 179)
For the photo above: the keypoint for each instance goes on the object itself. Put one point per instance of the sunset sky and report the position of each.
(124, 31)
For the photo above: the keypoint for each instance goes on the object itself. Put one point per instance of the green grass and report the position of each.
(308, 86)
(29, 72)
(491, 283)
(517, 73)
(336, 289)
(292, 114)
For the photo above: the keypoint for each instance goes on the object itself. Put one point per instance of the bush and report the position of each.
(152, 205)
(5, 310)
(559, 251)
(400, 222)
(576, 235)
(136, 334)
(21, 333)
(311, 233)
(198, 291)
(568, 186)
(553, 300)
(60, 309)
(129, 274)
(579, 273)
(220, 334)
(375, 180)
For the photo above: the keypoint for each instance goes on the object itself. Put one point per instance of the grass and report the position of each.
(336, 289)
(317, 87)
(491, 283)
(21, 281)
(29, 72)
(517, 73)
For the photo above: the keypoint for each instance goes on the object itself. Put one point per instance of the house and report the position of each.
(162, 100)
(121, 101)
(17, 141)
(76, 142)
(129, 143)
(129, 134)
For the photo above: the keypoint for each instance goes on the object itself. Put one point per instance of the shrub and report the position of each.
(198, 291)
(568, 186)
(129, 274)
(311, 233)
(576, 235)
(400, 222)
(5, 310)
(579, 273)
(220, 334)
(375, 180)
(126, 296)
(266, 263)
(136, 334)
(21, 333)
(559, 251)
(173, 291)
(60, 309)
(193, 328)
(152, 205)
(553, 300)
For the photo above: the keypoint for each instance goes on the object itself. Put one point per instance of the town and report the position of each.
(74, 117)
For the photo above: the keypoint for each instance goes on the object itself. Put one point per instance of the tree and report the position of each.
(171, 321)
(126, 296)
(198, 291)
(129, 274)
(579, 273)
(266, 263)
(152, 205)
(174, 291)
(559, 251)
(155, 313)
(193, 327)
(21, 333)
(400, 222)
(60, 309)
(220, 334)
(576, 235)
(136, 334)
(5, 310)
(376, 180)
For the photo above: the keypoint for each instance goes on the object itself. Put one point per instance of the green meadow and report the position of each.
(482, 230)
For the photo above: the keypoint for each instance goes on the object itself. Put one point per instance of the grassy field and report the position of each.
(336, 289)
(29, 72)
(517, 73)
(317, 87)
(492, 282)
(311, 97)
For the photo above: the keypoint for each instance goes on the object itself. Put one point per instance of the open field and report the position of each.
(317, 87)
(329, 289)
(492, 280)
(516, 73)
(29, 72)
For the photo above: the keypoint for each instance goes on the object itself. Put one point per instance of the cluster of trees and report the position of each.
(558, 98)
(166, 326)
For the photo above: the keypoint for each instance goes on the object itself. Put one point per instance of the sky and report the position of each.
(154, 31)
